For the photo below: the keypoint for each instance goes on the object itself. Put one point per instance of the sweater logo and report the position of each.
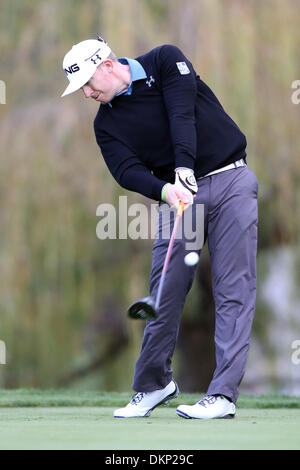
(150, 81)
(183, 68)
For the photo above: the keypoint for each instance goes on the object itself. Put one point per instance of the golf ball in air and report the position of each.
(191, 258)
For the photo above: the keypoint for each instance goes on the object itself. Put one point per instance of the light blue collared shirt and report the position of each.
(137, 72)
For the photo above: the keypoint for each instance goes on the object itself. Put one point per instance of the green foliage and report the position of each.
(58, 282)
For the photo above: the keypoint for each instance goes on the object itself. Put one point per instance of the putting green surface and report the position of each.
(89, 427)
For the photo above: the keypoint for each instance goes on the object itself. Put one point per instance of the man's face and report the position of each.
(102, 85)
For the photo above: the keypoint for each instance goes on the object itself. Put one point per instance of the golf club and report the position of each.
(146, 308)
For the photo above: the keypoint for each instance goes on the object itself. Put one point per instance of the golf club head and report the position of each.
(142, 309)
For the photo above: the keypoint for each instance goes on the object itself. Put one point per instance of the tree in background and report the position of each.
(63, 292)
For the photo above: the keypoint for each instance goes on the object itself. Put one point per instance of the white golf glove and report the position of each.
(184, 188)
(186, 182)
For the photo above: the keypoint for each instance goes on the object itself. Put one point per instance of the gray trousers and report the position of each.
(230, 228)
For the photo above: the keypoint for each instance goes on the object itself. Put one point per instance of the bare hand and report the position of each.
(174, 195)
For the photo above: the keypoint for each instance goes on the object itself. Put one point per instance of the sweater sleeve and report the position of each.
(127, 169)
(179, 89)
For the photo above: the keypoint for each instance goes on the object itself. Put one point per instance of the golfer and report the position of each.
(164, 134)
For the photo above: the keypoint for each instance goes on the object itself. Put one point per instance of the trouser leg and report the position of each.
(153, 368)
(232, 239)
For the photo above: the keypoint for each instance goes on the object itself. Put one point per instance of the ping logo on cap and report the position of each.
(72, 69)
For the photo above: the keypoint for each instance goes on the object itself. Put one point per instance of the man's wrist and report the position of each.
(163, 191)
(183, 168)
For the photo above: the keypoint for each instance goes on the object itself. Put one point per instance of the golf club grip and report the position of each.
(180, 208)
(168, 255)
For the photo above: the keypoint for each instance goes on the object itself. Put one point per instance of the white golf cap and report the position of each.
(81, 62)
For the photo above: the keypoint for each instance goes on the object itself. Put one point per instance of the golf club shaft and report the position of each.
(168, 255)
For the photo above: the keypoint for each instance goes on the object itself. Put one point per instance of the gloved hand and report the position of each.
(185, 180)
(184, 189)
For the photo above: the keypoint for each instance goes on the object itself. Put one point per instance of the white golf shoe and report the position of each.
(211, 406)
(142, 403)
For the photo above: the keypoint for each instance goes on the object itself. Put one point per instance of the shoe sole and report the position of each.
(165, 401)
(186, 416)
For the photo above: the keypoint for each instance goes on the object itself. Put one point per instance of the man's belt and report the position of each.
(231, 166)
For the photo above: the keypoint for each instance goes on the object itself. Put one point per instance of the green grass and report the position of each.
(95, 428)
(66, 419)
(49, 398)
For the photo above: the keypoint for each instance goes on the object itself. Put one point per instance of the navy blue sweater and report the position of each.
(171, 119)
